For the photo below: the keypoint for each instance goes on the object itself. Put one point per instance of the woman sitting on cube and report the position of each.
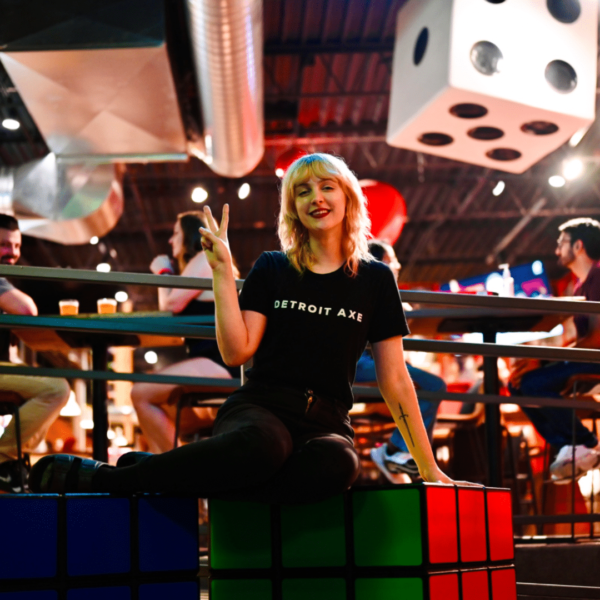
(305, 315)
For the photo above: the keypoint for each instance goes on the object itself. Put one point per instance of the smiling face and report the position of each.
(10, 246)
(176, 240)
(320, 204)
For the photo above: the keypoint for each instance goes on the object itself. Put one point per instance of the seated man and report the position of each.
(44, 396)
(578, 249)
(394, 456)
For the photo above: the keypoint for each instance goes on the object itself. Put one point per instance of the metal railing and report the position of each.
(197, 327)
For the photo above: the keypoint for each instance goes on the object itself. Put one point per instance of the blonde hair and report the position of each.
(294, 236)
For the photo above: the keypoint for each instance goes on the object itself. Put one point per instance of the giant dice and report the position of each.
(497, 83)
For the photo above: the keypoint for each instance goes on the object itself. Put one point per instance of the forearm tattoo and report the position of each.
(404, 417)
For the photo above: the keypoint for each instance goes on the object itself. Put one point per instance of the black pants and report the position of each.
(266, 447)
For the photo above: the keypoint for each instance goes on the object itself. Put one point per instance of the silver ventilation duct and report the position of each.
(227, 43)
(61, 201)
(96, 77)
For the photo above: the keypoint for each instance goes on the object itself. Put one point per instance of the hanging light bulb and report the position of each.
(572, 169)
(244, 191)
(499, 188)
(199, 195)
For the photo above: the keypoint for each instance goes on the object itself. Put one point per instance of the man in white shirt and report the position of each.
(43, 396)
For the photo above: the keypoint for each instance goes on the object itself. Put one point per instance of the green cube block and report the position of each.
(406, 588)
(315, 589)
(387, 527)
(240, 535)
(238, 589)
(313, 535)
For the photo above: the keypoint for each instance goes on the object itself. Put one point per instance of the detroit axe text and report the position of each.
(320, 310)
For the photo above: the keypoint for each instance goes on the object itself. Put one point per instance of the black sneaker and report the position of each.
(10, 482)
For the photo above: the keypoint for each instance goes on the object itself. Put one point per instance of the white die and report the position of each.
(453, 95)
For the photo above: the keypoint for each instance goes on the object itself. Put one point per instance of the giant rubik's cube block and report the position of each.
(98, 547)
(415, 542)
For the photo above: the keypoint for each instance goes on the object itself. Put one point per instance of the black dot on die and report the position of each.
(561, 76)
(485, 133)
(435, 139)
(467, 110)
(486, 57)
(565, 11)
(503, 154)
(421, 46)
(539, 128)
(495, 1)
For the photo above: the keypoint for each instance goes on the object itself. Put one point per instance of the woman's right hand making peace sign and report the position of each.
(214, 240)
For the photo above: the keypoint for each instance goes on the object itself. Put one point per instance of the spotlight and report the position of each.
(557, 181)
(572, 169)
(499, 188)
(244, 191)
(151, 357)
(11, 124)
(199, 195)
(94, 240)
(121, 296)
(103, 268)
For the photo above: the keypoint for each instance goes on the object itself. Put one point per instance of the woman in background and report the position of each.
(151, 400)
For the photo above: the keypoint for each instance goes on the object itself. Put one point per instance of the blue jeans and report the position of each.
(555, 425)
(365, 372)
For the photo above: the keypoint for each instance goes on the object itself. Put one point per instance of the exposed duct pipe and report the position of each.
(227, 44)
(61, 201)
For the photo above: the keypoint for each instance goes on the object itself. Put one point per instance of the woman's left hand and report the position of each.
(436, 475)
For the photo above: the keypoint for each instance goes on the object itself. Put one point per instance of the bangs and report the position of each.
(309, 166)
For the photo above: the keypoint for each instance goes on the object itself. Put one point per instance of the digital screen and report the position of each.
(531, 281)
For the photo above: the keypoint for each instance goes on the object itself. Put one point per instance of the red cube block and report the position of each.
(472, 525)
(442, 534)
(444, 586)
(504, 584)
(475, 585)
(500, 526)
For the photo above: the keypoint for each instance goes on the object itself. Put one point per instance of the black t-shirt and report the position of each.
(319, 325)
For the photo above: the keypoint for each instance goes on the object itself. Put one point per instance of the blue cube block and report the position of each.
(168, 533)
(100, 593)
(29, 533)
(184, 590)
(36, 595)
(98, 535)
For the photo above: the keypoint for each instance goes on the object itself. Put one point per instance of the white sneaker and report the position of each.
(561, 470)
(379, 456)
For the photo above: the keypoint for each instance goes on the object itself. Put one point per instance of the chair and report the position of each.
(204, 396)
(9, 405)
